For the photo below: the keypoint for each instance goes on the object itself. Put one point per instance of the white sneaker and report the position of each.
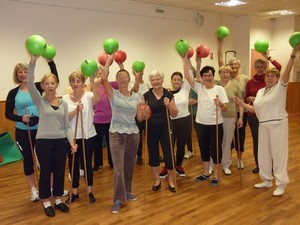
(81, 172)
(211, 168)
(34, 195)
(227, 171)
(188, 155)
(66, 193)
(265, 184)
(279, 190)
(240, 164)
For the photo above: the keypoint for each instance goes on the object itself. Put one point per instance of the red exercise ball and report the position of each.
(202, 51)
(190, 52)
(120, 56)
(102, 58)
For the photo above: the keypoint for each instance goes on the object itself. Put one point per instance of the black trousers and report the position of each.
(51, 154)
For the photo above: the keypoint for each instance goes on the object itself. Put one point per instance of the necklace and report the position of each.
(267, 89)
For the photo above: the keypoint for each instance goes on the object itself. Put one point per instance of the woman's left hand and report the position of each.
(74, 148)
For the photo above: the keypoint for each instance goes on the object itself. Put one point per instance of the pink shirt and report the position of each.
(102, 110)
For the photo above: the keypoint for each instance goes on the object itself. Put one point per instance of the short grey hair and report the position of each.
(155, 73)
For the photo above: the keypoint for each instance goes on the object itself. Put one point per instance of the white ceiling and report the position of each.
(258, 8)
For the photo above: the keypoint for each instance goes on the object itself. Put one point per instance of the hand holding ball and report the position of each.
(138, 66)
(295, 39)
(261, 45)
(190, 52)
(222, 32)
(36, 45)
(110, 45)
(102, 58)
(202, 51)
(120, 56)
(182, 46)
(50, 52)
(89, 67)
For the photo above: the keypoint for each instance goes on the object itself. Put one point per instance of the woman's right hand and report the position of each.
(25, 118)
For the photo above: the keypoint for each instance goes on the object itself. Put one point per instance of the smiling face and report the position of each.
(235, 65)
(22, 75)
(176, 80)
(260, 67)
(224, 73)
(123, 78)
(156, 81)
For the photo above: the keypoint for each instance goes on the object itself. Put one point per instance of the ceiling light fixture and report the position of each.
(282, 12)
(230, 3)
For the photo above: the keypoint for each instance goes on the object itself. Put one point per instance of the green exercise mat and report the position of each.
(9, 151)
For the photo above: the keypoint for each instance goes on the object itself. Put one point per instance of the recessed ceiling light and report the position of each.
(282, 12)
(230, 3)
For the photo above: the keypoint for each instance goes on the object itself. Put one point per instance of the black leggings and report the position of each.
(23, 139)
(181, 129)
(89, 147)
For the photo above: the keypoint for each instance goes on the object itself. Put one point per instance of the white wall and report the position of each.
(77, 28)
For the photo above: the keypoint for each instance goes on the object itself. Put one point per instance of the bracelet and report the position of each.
(293, 56)
(269, 58)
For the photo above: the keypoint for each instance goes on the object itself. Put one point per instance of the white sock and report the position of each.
(58, 201)
(47, 204)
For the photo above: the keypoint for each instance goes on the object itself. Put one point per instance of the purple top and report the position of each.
(102, 110)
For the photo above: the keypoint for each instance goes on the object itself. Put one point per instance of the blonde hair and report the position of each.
(225, 68)
(274, 71)
(77, 74)
(49, 75)
(19, 66)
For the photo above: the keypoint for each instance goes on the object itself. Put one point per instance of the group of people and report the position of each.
(121, 110)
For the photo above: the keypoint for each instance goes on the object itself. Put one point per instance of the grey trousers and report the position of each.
(123, 149)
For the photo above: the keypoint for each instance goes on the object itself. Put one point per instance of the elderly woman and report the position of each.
(241, 80)
(229, 117)
(252, 87)
(212, 101)
(269, 106)
(161, 102)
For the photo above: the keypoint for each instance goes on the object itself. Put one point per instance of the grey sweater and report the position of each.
(53, 124)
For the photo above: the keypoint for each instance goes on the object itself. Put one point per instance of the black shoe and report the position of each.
(95, 168)
(49, 211)
(255, 170)
(156, 187)
(62, 207)
(172, 189)
(74, 197)
(91, 198)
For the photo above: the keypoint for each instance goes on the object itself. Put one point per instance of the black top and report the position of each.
(10, 99)
(158, 120)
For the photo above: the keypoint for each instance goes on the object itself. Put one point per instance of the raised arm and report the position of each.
(137, 76)
(273, 61)
(187, 66)
(96, 96)
(34, 93)
(105, 82)
(220, 52)
(286, 75)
